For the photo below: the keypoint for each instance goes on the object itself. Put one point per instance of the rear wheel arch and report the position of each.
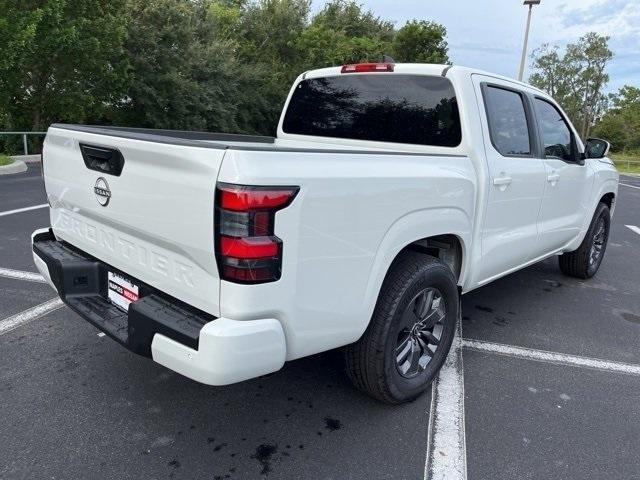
(418, 231)
(376, 362)
(448, 248)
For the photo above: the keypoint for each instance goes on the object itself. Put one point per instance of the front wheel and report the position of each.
(585, 261)
(410, 332)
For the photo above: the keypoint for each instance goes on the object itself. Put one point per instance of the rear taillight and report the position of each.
(247, 249)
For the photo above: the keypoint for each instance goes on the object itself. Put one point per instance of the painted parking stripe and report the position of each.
(551, 357)
(20, 275)
(630, 186)
(25, 209)
(633, 228)
(22, 318)
(446, 454)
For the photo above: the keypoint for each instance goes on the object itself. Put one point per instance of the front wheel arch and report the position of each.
(580, 263)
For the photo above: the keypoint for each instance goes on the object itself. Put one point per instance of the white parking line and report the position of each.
(446, 454)
(633, 228)
(25, 209)
(21, 318)
(551, 357)
(20, 275)
(627, 185)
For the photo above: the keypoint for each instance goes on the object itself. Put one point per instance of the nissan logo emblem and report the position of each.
(102, 191)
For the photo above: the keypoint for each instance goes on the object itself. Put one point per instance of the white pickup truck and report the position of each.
(389, 191)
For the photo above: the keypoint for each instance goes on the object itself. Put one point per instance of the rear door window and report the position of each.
(508, 123)
(413, 109)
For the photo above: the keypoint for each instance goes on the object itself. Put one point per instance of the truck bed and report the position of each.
(176, 137)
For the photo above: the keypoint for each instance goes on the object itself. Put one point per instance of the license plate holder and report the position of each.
(121, 291)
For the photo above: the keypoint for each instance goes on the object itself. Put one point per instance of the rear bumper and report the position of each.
(214, 351)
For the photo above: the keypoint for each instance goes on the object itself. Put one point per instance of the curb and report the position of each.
(18, 166)
(27, 158)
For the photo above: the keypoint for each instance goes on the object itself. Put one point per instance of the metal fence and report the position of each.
(24, 138)
(628, 164)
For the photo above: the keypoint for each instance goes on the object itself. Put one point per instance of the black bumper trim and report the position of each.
(81, 281)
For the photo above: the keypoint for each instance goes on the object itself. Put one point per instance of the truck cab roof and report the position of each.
(419, 69)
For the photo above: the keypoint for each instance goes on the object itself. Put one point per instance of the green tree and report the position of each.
(269, 31)
(180, 76)
(620, 125)
(550, 71)
(323, 47)
(226, 18)
(576, 79)
(223, 65)
(421, 41)
(343, 32)
(349, 18)
(61, 60)
(266, 46)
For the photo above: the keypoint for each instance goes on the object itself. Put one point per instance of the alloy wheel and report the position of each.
(421, 332)
(599, 240)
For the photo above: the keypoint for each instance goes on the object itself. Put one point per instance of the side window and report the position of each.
(507, 121)
(556, 134)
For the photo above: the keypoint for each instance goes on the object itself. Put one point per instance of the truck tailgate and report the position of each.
(154, 221)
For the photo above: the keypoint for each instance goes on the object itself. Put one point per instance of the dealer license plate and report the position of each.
(121, 291)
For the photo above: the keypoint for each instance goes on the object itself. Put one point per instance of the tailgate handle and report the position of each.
(102, 159)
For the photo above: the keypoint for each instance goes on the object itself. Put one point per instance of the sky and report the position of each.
(488, 34)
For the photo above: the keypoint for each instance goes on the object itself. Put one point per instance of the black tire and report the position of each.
(372, 363)
(581, 263)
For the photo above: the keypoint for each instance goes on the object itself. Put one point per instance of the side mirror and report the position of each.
(596, 148)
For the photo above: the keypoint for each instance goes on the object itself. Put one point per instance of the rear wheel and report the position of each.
(410, 332)
(585, 261)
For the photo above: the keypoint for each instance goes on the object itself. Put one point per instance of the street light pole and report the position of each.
(531, 3)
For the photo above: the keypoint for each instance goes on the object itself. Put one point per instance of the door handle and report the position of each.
(502, 182)
(553, 178)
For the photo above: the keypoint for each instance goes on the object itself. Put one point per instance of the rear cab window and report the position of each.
(398, 108)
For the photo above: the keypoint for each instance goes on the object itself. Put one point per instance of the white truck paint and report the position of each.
(359, 204)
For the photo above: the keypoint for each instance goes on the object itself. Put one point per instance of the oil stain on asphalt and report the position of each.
(263, 455)
(630, 317)
(484, 309)
(500, 321)
(332, 424)
(266, 453)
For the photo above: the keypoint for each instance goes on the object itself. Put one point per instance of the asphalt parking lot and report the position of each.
(77, 405)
